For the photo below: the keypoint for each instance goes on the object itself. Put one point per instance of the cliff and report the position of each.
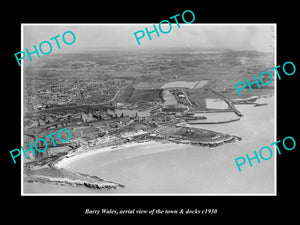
(47, 172)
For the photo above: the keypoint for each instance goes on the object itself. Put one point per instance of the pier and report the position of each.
(227, 100)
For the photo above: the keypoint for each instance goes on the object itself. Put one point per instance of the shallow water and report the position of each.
(180, 84)
(201, 84)
(182, 169)
(215, 117)
(185, 84)
(169, 98)
(213, 103)
(157, 168)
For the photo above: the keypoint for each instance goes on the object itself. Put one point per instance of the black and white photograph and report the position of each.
(144, 109)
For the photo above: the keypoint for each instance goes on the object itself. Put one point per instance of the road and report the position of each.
(186, 97)
(114, 98)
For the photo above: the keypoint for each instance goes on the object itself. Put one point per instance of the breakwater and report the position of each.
(212, 122)
(237, 112)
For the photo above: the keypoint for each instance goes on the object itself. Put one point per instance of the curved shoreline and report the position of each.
(59, 162)
(55, 170)
(64, 161)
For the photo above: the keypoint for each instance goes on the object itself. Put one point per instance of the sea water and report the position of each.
(157, 168)
(185, 169)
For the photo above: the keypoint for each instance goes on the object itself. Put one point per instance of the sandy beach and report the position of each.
(154, 167)
(73, 158)
(170, 168)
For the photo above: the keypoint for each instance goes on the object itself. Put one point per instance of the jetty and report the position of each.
(227, 100)
(211, 122)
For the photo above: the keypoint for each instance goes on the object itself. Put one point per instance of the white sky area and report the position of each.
(97, 37)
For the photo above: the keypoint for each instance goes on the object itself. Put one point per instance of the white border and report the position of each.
(275, 110)
(152, 194)
(22, 108)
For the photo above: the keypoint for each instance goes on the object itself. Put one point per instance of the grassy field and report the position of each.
(140, 95)
(189, 133)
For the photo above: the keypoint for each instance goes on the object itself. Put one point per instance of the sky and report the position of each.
(121, 36)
